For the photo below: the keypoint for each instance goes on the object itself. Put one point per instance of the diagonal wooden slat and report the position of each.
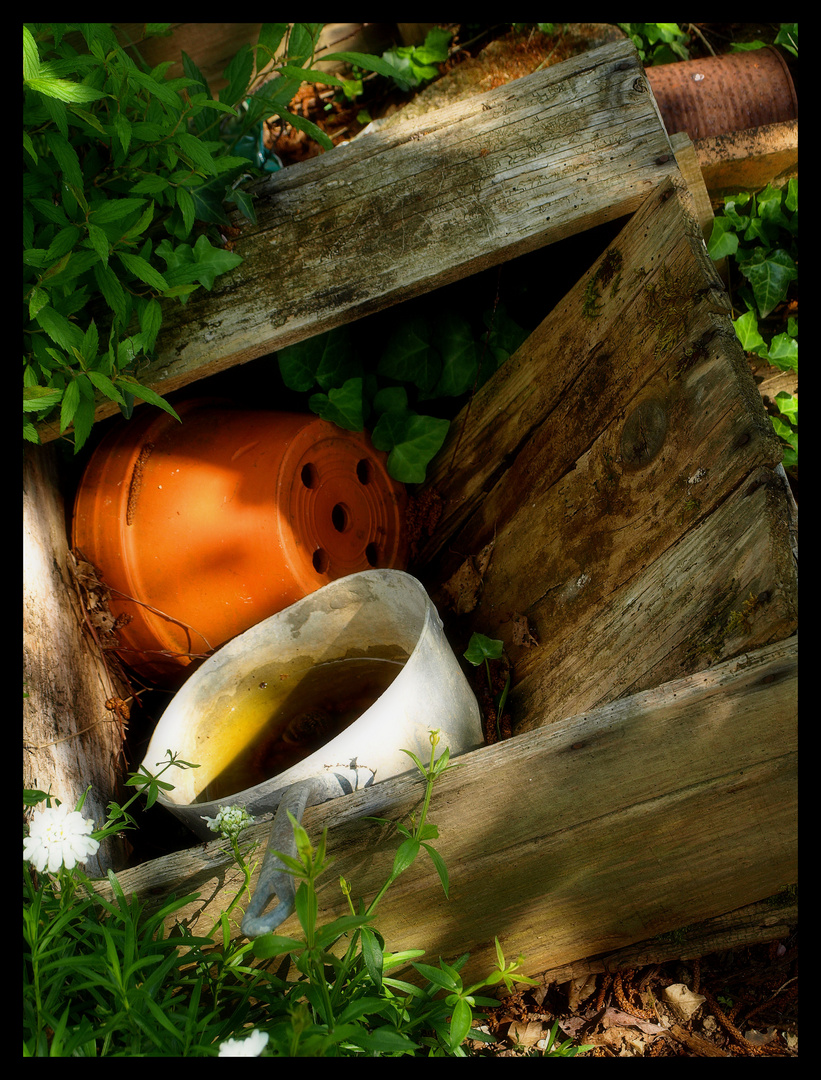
(432, 200)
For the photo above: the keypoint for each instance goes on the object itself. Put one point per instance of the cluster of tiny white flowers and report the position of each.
(230, 821)
(59, 837)
(250, 1047)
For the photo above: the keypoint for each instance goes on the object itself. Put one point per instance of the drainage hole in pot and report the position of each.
(320, 560)
(363, 471)
(309, 475)
(372, 554)
(340, 518)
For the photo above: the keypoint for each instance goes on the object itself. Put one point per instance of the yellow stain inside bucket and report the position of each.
(281, 716)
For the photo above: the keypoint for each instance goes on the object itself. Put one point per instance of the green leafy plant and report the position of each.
(359, 380)
(787, 38)
(759, 233)
(126, 178)
(481, 650)
(657, 43)
(102, 978)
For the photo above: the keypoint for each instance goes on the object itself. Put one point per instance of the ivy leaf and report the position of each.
(723, 239)
(408, 356)
(783, 352)
(342, 406)
(455, 343)
(326, 360)
(411, 441)
(769, 277)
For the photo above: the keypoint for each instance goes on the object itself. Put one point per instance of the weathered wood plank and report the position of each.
(674, 805)
(618, 470)
(429, 201)
(70, 740)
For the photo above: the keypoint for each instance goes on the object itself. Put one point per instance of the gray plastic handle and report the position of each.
(273, 877)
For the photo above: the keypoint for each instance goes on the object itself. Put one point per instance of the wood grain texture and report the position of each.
(70, 740)
(583, 837)
(432, 200)
(621, 470)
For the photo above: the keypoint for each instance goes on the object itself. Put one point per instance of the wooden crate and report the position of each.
(621, 475)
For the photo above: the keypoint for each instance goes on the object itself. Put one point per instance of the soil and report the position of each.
(746, 1005)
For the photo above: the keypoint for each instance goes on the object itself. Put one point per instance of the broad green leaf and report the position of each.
(186, 205)
(723, 239)
(145, 393)
(65, 90)
(40, 398)
(105, 386)
(326, 360)
(787, 405)
(783, 352)
(481, 648)
(405, 855)
(411, 441)
(71, 399)
(746, 328)
(37, 300)
(111, 210)
(441, 868)
(409, 358)
(99, 241)
(238, 76)
(301, 123)
(31, 56)
(151, 320)
(270, 38)
(770, 278)
(109, 285)
(192, 148)
(142, 270)
(453, 338)
(66, 157)
(341, 405)
(62, 243)
(66, 334)
(460, 1022)
(373, 63)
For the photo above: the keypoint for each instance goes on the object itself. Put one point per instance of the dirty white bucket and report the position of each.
(371, 635)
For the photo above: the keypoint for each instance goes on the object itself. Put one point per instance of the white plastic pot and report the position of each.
(377, 620)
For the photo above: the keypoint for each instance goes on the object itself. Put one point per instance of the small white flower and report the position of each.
(59, 837)
(230, 821)
(250, 1047)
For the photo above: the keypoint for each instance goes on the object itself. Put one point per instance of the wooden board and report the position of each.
(604, 829)
(432, 200)
(611, 506)
(70, 740)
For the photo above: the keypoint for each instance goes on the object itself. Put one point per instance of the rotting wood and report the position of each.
(576, 839)
(623, 468)
(748, 160)
(755, 924)
(71, 740)
(432, 200)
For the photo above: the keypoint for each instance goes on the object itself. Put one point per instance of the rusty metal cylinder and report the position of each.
(721, 94)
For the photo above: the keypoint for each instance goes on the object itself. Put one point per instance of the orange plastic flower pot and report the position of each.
(204, 528)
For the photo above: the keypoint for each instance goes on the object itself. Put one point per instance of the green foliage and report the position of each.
(103, 978)
(787, 37)
(407, 66)
(760, 234)
(657, 43)
(421, 360)
(481, 650)
(126, 177)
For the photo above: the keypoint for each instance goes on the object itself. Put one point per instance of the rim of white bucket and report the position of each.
(302, 768)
